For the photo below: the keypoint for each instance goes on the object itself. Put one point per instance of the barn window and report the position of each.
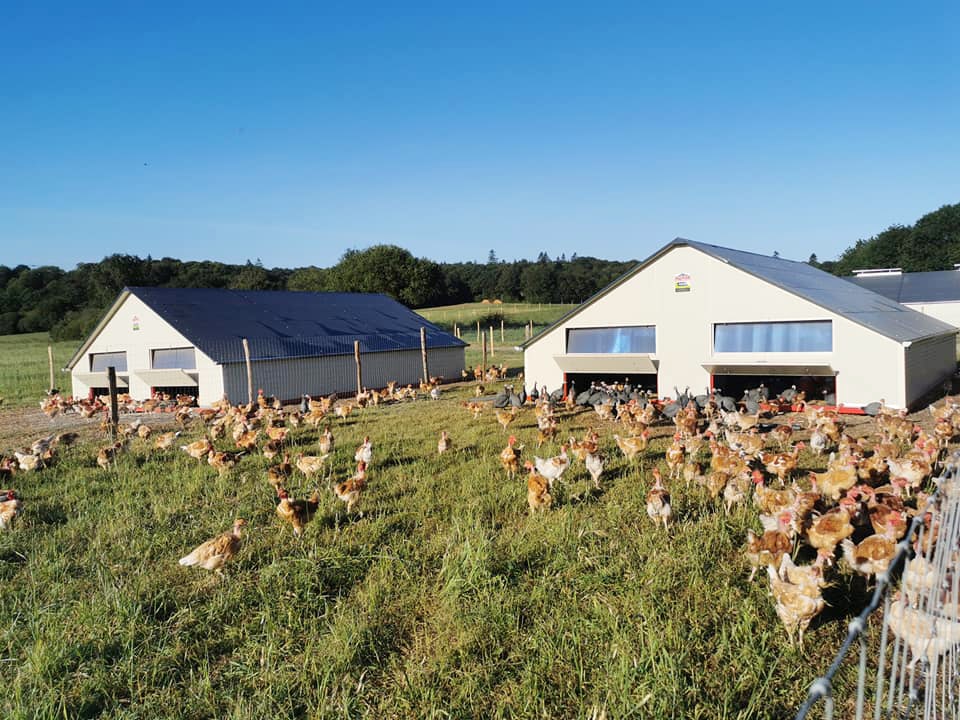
(99, 362)
(811, 336)
(637, 339)
(175, 358)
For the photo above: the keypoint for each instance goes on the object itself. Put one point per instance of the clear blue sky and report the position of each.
(291, 132)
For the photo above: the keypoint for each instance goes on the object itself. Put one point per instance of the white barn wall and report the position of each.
(949, 312)
(154, 333)
(927, 364)
(290, 378)
(869, 365)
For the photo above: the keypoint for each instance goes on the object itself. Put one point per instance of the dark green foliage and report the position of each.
(932, 243)
(69, 304)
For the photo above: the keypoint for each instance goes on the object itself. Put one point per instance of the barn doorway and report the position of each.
(639, 381)
(816, 387)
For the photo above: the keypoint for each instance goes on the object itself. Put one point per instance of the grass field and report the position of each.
(24, 369)
(445, 600)
(513, 314)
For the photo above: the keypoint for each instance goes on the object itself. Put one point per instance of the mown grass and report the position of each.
(24, 369)
(446, 599)
(513, 314)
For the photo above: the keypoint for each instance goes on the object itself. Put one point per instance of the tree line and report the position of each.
(69, 303)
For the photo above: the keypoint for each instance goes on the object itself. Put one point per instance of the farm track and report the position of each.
(19, 426)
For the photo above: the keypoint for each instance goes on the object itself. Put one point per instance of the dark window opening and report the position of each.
(817, 387)
(639, 381)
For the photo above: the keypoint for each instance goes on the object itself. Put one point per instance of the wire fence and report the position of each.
(914, 673)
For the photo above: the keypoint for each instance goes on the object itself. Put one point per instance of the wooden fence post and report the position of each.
(492, 353)
(114, 409)
(50, 358)
(478, 331)
(246, 357)
(483, 355)
(356, 358)
(501, 332)
(423, 354)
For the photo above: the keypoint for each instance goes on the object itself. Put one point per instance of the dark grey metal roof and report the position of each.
(281, 324)
(916, 287)
(864, 307)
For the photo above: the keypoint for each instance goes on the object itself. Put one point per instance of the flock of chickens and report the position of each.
(853, 512)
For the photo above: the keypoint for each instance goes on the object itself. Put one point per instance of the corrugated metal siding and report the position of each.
(927, 364)
(289, 379)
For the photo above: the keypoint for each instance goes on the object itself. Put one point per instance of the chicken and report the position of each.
(735, 491)
(581, 448)
(510, 457)
(223, 461)
(819, 442)
(927, 635)
(781, 435)
(829, 530)
(553, 468)
(594, 464)
(310, 465)
(873, 555)
(914, 470)
(213, 554)
(198, 449)
(28, 461)
(10, 508)
(675, 456)
(248, 440)
(144, 432)
(505, 417)
(658, 502)
(474, 408)
(343, 410)
(796, 604)
(538, 489)
(780, 465)
(631, 447)
(444, 443)
(349, 490)
(326, 441)
(279, 434)
(364, 453)
(835, 481)
(769, 548)
(297, 512)
(271, 448)
(106, 455)
(771, 502)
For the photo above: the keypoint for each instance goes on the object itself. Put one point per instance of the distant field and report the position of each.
(517, 314)
(515, 317)
(24, 370)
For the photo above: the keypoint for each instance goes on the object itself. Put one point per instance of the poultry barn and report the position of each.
(697, 316)
(191, 341)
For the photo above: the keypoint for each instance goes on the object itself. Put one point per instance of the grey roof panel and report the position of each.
(865, 307)
(281, 324)
(917, 287)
